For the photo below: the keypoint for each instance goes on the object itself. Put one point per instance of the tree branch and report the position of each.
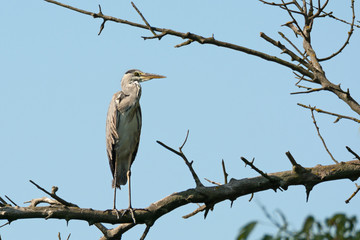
(232, 190)
(192, 37)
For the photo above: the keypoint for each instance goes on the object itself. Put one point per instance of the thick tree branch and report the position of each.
(209, 195)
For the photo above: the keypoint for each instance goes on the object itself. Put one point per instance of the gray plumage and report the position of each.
(123, 126)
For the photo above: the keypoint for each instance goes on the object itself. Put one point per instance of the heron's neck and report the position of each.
(131, 89)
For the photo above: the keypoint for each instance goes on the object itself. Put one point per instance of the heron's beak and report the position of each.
(148, 76)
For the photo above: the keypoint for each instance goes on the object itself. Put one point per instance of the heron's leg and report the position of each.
(130, 207)
(114, 186)
(114, 198)
(128, 178)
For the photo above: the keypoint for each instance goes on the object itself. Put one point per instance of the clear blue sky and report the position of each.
(58, 76)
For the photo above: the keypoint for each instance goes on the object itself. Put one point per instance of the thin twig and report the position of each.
(4, 224)
(284, 49)
(187, 42)
(339, 116)
(182, 155)
(350, 32)
(353, 195)
(145, 232)
(294, 20)
(194, 37)
(11, 201)
(309, 91)
(143, 18)
(224, 171)
(215, 183)
(322, 139)
(352, 152)
(3, 202)
(199, 209)
(293, 45)
(251, 164)
(62, 201)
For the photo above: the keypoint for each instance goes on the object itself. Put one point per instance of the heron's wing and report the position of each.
(139, 120)
(112, 123)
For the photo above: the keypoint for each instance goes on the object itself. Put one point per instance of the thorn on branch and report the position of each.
(272, 180)
(207, 209)
(252, 196)
(308, 190)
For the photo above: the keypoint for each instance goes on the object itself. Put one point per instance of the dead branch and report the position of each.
(321, 138)
(317, 75)
(182, 155)
(350, 32)
(353, 153)
(339, 116)
(193, 38)
(353, 195)
(232, 190)
(224, 171)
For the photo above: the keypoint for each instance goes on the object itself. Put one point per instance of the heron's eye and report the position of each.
(137, 74)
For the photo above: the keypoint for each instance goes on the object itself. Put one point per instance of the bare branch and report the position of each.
(353, 195)
(53, 195)
(322, 139)
(143, 18)
(272, 180)
(182, 155)
(293, 45)
(195, 38)
(11, 201)
(339, 116)
(224, 171)
(352, 152)
(309, 91)
(350, 32)
(199, 209)
(145, 232)
(278, 44)
(209, 195)
(215, 183)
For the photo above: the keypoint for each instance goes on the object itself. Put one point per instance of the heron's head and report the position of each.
(137, 76)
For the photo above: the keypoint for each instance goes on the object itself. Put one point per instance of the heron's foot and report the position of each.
(131, 210)
(114, 210)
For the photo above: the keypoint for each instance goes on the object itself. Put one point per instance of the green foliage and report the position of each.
(337, 227)
(246, 230)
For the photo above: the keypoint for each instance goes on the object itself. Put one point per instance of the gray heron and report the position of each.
(123, 127)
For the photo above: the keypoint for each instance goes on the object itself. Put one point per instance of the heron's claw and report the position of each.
(131, 210)
(114, 210)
